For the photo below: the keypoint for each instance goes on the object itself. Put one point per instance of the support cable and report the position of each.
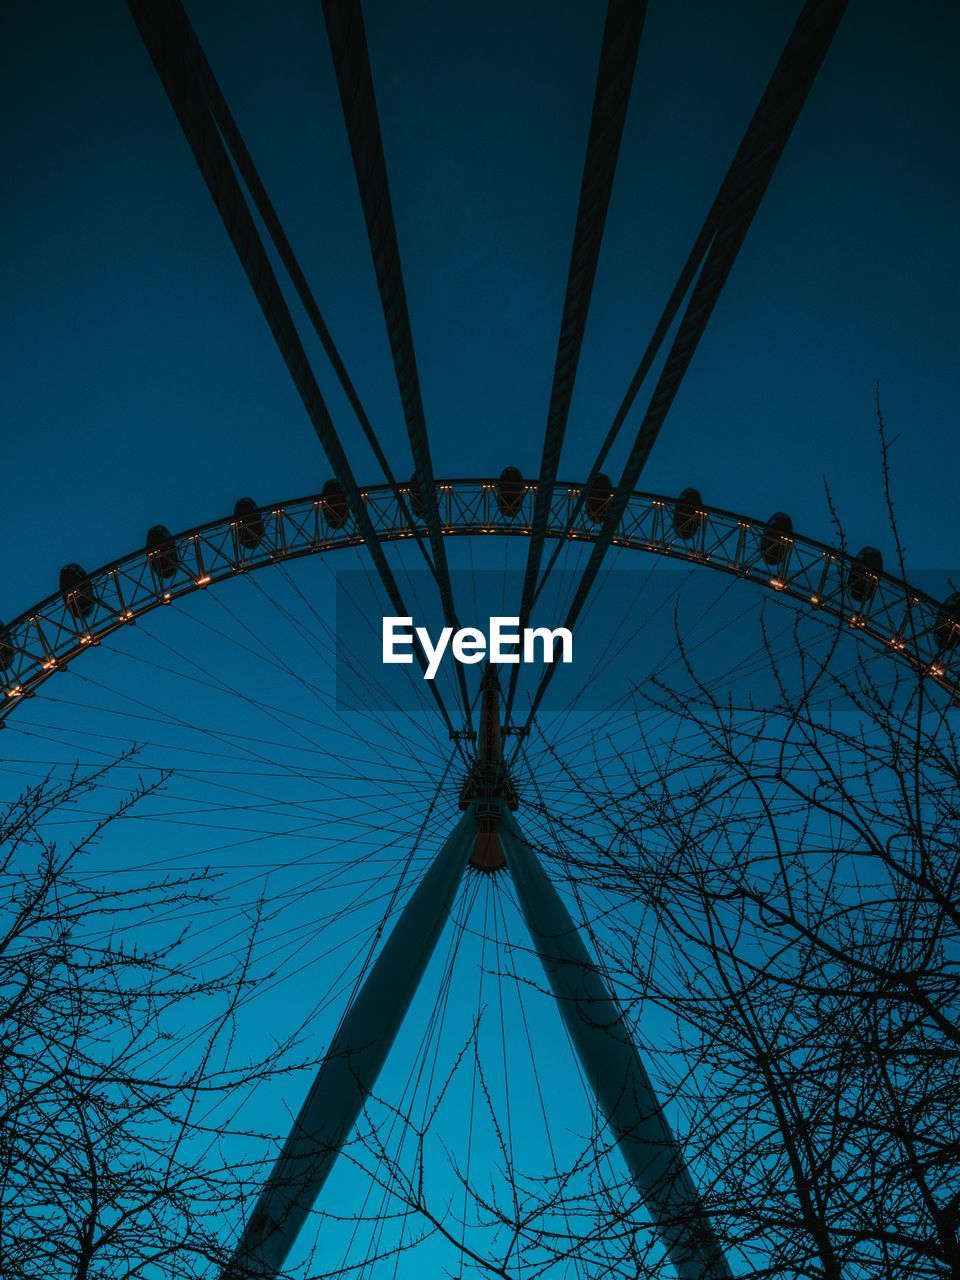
(770, 105)
(251, 177)
(717, 245)
(351, 61)
(168, 37)
(618, 59)
(351, 1066)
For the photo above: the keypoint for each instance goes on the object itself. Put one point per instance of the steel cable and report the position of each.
(618, 58)
(737, 203)
(351, 61)
(167, 35)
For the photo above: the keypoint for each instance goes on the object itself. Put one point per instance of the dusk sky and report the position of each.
(140, 385)
(140, 382)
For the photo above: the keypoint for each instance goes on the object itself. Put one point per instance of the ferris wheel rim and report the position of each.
(896, 617)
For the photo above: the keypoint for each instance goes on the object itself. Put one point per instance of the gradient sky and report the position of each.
(140, 383)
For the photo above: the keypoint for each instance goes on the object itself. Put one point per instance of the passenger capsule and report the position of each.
(687, 514)
(947, 626)
(415, 498)
(335, 509)
(510, 491)
(162, 552)
(864, 571)
(77, 591)
(599, 497)
(249, 521)
(775, 539)
(6, 649)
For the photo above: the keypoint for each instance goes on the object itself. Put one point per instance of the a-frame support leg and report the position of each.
(351, 1066)
(610, 1061)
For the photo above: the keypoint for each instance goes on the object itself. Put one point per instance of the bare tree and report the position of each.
(791, 873)
(110, 1162)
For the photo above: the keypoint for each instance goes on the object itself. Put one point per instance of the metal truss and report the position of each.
(907, 623)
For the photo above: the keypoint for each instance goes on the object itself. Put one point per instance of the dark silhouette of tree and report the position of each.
(110, 1165)
(790, 872)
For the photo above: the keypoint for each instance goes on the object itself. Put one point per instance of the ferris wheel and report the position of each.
(406, 844)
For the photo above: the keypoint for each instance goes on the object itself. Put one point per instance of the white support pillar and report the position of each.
(350, 1069)
(612, 1065)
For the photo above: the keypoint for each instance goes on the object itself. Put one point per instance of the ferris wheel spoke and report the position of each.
(320, 640)
(245, 745)
(329, 655)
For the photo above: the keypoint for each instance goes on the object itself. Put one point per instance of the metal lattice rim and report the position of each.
(907, 623)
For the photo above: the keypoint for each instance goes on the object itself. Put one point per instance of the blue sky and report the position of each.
(139, 382)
